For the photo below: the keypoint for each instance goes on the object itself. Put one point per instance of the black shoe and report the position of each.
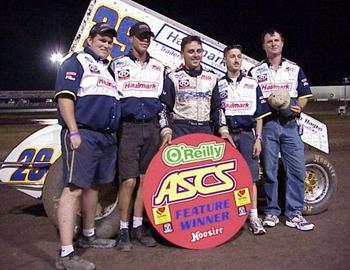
(123, 240)
(143, 236)
(94, 242)
(73, 262)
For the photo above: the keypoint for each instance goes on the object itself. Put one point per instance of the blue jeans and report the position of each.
(244, 142)
(283, 138)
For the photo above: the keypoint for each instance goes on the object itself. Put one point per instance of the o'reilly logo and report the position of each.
(175, 155)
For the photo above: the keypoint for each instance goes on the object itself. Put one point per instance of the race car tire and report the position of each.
(107, 217)
(320, 183)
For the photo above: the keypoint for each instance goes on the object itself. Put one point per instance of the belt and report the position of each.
(106, 131)
(139, 121)
(239, 130)
(192, 122)
(281, 120)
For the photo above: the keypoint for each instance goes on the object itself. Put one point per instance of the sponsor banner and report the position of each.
(165, 46)
(197, 191)
(314, 132)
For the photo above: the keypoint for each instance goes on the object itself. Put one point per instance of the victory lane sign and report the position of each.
(197, 191)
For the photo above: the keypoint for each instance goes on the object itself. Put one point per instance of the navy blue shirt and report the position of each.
(139, 86)
(89, 81)
(243, 101)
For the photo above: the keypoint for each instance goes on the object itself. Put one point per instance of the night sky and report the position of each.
(317, 33)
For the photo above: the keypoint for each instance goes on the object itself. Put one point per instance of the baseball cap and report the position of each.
(139, 28)
(102, 28)
(279, 100)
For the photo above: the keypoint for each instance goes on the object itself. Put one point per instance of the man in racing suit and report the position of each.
(245, 109)
(191, 97)
(89, 112)
(281, 132)
(140, 81)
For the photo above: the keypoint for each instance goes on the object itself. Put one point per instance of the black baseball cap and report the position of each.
(102, 28)
(140, 28)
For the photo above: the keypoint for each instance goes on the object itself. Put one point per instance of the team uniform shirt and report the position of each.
(90, 81)
(192, 95)
(139, 86)
(289, 77)
(243, 102)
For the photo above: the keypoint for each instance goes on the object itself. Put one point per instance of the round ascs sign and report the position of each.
(197, 191)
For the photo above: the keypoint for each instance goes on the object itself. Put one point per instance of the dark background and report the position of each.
(317, 33)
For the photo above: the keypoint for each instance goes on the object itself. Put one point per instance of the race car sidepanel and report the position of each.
(27, 164)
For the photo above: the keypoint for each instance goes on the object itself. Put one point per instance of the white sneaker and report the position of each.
(271, 220)
(300, 223)
(256, 227)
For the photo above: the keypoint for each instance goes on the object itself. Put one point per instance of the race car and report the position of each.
(35, 166)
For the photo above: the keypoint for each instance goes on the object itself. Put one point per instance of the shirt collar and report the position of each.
(229, 80)
(133, 58)
(191, 72)
(269, 64)
(95, 56)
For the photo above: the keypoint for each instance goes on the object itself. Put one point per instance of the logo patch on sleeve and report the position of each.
(70, 75)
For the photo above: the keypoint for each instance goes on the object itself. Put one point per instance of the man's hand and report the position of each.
(257, 148)
(166, 139)
(226, 136)
(75, 141)
(296, 109)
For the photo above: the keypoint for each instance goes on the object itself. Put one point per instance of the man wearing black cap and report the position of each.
(140, 81)
(89, 112)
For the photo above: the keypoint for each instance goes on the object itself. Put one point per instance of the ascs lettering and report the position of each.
(189, 183)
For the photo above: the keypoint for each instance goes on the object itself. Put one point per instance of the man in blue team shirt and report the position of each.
(89, 112)
(245, 109)
(281, 132)
(140, 81)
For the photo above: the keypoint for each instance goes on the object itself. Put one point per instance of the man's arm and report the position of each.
(218, 116)
(297, 109)
(67, 84)
(304, 92)
(66, 107)
(167, 98)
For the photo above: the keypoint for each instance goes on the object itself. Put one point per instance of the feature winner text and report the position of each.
(201, 215)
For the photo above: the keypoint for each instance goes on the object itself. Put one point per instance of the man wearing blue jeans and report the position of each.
(281, 132)
(245, 109)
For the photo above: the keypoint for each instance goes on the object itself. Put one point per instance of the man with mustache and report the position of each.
(245, 109)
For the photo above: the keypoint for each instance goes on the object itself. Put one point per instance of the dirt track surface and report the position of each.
(29, 241)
